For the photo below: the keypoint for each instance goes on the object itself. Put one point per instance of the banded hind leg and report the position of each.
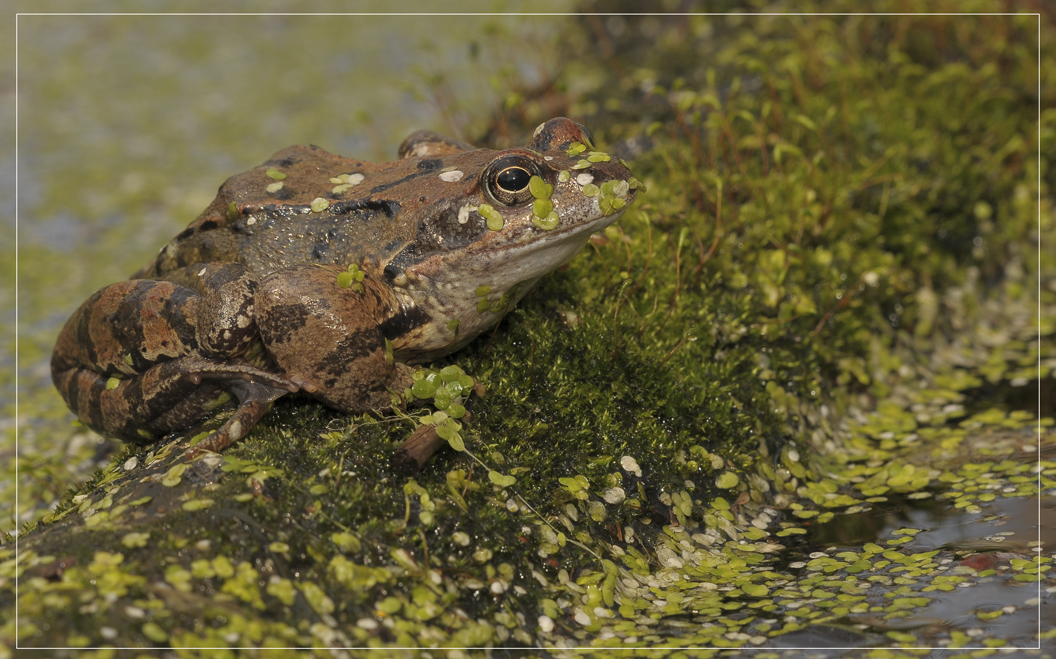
(143, 358)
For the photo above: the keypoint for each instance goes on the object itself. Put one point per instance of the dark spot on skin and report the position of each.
(438, 232)
(206, 244)
(282, 162)
(386, 207)
(429, 164)
(285, 320)
(408, 256)
(443, 231)
(208, 225)
(352, 348)
(186, 233)
(283, 194)
(542, 140)
(406, 320)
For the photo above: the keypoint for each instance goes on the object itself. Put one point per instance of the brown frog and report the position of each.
(330, 276)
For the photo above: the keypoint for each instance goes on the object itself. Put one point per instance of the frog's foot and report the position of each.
(254, 400)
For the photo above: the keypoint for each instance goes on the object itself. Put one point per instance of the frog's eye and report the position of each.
(512, 180)
(508, 178)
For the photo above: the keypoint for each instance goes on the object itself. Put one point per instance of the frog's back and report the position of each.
(304, 205)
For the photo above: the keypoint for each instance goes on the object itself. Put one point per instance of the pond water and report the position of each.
(984, 541)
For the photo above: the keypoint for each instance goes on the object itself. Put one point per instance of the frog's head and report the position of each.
(509, 217)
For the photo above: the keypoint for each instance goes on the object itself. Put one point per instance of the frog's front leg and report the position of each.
(142, 358)
(319, 332)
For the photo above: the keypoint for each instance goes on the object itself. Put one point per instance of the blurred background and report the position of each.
(127, 125)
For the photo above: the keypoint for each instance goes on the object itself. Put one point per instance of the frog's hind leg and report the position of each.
(172, 396)
(142, 358)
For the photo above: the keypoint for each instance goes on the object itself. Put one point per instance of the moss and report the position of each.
(781, 334)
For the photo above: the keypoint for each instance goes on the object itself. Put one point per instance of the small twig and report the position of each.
(417, 449)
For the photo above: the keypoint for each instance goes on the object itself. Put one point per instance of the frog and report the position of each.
(320, 275)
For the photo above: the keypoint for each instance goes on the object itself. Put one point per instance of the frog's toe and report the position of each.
(306, 385)
(254, 400)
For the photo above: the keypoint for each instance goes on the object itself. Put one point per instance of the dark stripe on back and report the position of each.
(386, 186)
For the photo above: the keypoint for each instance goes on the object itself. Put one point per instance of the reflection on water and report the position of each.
(878, 522)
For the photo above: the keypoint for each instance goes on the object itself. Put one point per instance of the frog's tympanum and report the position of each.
(329, 276)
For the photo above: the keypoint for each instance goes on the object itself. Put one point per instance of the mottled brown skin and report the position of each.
(244, 304)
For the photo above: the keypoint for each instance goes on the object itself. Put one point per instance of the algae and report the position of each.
(839, 244)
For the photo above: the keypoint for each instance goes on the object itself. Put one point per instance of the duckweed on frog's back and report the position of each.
(320, 274)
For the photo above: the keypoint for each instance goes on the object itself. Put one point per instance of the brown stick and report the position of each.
(416, 450)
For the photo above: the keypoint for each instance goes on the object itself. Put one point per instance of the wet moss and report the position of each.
(780, 334)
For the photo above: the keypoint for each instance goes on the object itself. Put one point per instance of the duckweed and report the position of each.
(352, 278)
(575, 148)
(493, 218)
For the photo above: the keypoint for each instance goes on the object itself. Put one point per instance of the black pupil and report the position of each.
(513, 179)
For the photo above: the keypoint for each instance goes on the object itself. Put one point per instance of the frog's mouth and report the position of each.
(535, 252)
(535, 237)
(517, 254)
